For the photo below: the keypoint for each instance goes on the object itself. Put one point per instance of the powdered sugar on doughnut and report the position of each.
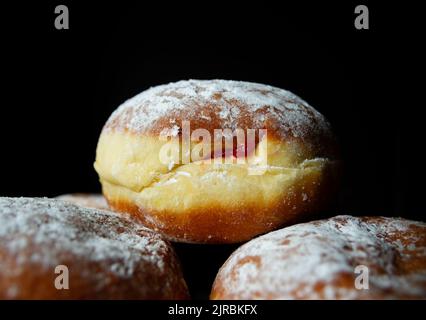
(96, 201)
(222, 102)
(47, 232)
(316, 260)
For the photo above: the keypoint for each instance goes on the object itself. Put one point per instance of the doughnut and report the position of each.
(242, 159)
(96, 254)
(87, 200)
(324, 259)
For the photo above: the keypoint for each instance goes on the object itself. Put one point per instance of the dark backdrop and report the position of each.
(60, 86)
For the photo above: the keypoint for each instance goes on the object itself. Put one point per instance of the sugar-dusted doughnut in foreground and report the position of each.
(285, 174)
(107, 256)
(327, 259)
(89, 200)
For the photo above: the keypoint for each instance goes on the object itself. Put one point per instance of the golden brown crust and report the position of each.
(318, 260)
(108, 256)
(220, 224)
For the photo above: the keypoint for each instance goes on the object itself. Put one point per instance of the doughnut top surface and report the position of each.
(316, 260)
(219, 104)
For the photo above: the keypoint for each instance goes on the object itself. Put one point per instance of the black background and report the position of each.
(60, 86)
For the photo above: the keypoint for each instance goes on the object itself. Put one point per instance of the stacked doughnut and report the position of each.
(105, 255)
(340, 258)
(219, 200)
(209, 161)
